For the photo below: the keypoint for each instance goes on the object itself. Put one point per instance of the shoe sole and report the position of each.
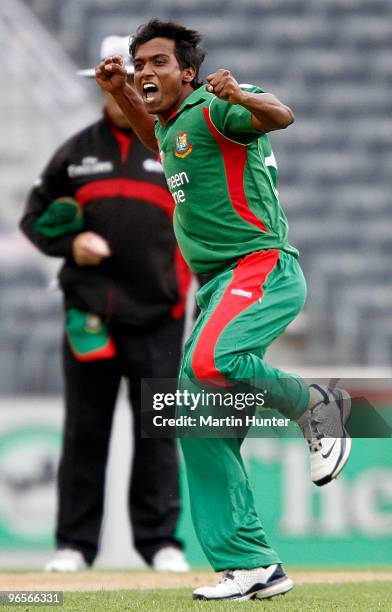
(279, 587)
(343, 397)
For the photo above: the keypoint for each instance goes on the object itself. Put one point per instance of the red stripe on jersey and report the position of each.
(126, 188)
(245, 288)
(234, 158)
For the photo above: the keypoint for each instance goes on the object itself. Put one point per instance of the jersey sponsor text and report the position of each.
(178, 180)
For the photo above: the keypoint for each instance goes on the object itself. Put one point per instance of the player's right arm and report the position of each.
(111, 76)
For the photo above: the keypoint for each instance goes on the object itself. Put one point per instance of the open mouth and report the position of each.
(149, 91)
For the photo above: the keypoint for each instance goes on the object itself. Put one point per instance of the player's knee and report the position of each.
(229, 367)
(207, 369)
(238, 367)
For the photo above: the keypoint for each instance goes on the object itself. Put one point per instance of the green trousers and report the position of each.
(243, 310)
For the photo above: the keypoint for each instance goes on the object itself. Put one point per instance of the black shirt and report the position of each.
(122, 190)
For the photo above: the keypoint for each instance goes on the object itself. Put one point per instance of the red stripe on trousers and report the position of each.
(249, 275)
(234, 158)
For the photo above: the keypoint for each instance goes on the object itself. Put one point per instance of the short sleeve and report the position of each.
(233, 120)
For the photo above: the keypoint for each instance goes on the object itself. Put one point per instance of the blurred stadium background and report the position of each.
(331, 62)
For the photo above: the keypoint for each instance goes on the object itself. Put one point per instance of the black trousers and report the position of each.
(90, 394)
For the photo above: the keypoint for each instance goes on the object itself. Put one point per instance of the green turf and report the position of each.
(313, 598)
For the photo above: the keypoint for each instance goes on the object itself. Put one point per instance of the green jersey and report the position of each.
(222, 175)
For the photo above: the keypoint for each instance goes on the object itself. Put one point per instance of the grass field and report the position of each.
(341, 591)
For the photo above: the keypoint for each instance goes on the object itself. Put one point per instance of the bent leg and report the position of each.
(242, 311)
(249, 308)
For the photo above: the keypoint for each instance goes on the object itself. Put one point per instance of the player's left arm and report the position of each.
(268, 112)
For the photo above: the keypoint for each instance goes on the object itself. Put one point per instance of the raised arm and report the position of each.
(268, 113)
(111, 76)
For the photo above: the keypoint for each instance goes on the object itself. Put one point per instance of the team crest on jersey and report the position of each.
(183, 147)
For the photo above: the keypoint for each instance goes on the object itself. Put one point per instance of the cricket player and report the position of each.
(219, 166)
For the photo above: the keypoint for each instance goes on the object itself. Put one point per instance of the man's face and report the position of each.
(159, 78)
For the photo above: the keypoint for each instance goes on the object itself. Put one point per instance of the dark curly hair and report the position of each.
(188, 51)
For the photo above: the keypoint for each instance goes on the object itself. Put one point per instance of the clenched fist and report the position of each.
(111, 74)
(89, 249)
(224, 86)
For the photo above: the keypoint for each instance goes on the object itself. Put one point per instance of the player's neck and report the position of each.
(172, 111)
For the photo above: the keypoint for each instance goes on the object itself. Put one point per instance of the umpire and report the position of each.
(102, 205)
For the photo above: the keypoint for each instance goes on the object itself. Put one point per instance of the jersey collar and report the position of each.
(196, 97)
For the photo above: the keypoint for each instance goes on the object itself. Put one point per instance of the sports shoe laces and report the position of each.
(314, 442)
(239, 580)
(227, 575)
(314, 445)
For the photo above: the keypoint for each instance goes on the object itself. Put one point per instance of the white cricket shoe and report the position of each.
(66, 560)
(241, 585)
(323, 428)
(170, 559)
